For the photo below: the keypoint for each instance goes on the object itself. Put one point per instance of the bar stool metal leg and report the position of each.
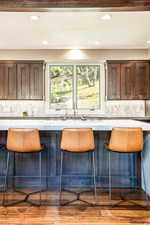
(94, 174)
(110, 180)
(144, 181)
(6, 179)
(123, 199)
(27, 195)
(14, 171)
(26, 199)
(78, 194)
(109, 168)
(61, 170)
(47, 168)
(40, 163)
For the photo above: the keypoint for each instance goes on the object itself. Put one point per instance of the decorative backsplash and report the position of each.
(147, 106)
(15, 108)
(112, 109)
(125, 108)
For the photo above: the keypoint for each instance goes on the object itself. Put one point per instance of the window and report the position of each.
(76, 87)
(61, 86)
(88, 86)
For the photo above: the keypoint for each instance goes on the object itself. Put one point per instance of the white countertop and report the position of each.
(60, 124)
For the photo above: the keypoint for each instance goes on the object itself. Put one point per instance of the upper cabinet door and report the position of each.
(30, 81)
(23, 81)
(8, 89)
(134, 80)
(113, 87)
(127, 80)
(142, 80)
(36, 81)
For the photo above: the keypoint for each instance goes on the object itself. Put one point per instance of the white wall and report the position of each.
(65, 55)
(37, 108)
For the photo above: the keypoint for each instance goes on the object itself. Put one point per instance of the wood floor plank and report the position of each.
(78, 214)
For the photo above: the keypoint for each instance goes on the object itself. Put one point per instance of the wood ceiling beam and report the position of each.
(98, 5)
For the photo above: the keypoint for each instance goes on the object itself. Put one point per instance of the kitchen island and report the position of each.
(57, 124)
(77, 169)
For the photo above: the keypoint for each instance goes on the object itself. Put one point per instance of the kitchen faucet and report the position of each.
(75, 113)
(67, 116)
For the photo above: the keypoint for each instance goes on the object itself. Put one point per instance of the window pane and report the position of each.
(87, 86)
(61, 86)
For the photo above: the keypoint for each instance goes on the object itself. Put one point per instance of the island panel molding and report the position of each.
(102, 5)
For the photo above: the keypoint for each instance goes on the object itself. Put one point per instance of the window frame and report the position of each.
(71, 82)
(75, 110)
(76, 86)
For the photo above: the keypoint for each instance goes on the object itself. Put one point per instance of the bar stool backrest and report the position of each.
(126, 139)
(77, 139)
(23, 140)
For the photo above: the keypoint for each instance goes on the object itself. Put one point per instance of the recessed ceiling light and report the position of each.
(34, 17)
(76, 54)
(106, 17)
(97, 43)
(45, 42)
(148, 42)
(74, 48)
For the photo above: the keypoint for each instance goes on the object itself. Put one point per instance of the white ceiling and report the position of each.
(65, 30)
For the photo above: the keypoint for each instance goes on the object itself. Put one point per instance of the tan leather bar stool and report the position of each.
(22, 140)
(77, 140)
(126, 140)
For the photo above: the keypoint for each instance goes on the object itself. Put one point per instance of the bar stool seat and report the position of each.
(77, 140)
(126, 140)
(23, 140)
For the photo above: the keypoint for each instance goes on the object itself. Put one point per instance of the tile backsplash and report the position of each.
(147, 106)
(112, 108)
(15, 108)
(125, 108)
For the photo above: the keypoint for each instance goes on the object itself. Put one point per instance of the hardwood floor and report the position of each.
(75, 214)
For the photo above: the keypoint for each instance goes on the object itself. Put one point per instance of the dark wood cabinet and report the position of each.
(127, 80)
(8, 87)
(142, 80)
(30, 81)
(133, 78)
(22, 80)
(36, 81)
(23, 75)
(114, 81)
